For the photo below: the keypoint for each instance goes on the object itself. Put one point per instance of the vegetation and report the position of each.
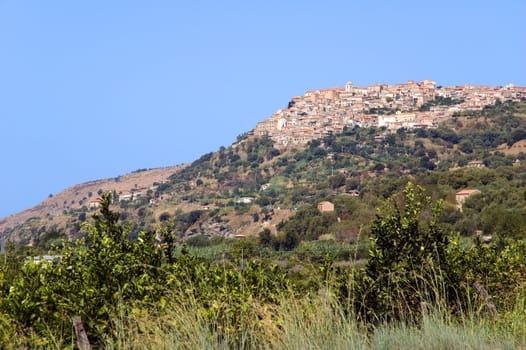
(394, 263)
(372, 163)
(440, 101)
(135, 292)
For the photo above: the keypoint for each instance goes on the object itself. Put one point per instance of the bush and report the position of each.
(408, 258)
(164, 217)
(198, 241)
(92, 276)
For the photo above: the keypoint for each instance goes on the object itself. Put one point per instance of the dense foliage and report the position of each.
(412, 262)
(407, 255)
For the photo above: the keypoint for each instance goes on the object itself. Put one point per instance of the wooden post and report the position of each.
(80, 332)
(488, 304)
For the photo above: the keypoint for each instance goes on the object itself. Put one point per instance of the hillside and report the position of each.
(56, 210)
(258, 183)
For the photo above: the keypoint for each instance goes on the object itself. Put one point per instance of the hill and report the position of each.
(56, 211)
(260, 182)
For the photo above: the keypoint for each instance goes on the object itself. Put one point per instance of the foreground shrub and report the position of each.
(147, 294)
(408, 260)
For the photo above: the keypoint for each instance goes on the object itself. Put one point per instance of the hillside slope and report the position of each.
(256, 184)
(56, 210)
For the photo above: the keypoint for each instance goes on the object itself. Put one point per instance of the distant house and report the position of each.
(354, 193)
(137, 195)
(44, 258)
(475, 164)
(94, 203)
(126, 197)
(244, 200)
(462, 195)
(325, 207)
(265, 186)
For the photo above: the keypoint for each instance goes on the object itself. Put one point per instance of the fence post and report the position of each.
(80, 332)
(488, 304)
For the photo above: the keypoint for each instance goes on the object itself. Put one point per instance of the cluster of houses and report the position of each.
(128, 196)
(320, 112)
(460, 198)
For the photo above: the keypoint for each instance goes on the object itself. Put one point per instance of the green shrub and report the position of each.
(408, 259)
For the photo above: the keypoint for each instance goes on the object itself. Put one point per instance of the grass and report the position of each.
(311, 322)
(436, 332)
(180, 327)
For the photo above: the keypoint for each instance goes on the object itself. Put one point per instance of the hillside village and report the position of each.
(259, 182)
(408, 105)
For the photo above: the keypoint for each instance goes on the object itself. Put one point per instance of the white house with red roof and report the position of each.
(462, 195)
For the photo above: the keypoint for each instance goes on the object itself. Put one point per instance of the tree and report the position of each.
(308, 224)
(286, 240)
(407, 249)
(466, 146)
(91, 278)
(265, 238)
(516, 135)
(402, 133)
(337, 181)
(507, 222)
(164, 216)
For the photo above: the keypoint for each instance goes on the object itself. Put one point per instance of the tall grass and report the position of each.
(177, 327)
(312, 322)
(301, 322)
(439, 332)
(318, 322)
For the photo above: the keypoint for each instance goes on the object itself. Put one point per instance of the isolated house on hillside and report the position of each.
(475, 164)
(462, 195)
(325, 207)
(354, 193)
(126, 197)
(244, 200)
(94, 203)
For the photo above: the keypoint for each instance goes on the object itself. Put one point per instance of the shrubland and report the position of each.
(416, 278)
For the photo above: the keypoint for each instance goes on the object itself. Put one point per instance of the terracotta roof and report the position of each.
(467, 192)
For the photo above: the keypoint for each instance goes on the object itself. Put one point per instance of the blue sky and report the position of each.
(96, 89)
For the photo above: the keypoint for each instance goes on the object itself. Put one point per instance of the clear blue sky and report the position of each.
(96, 89)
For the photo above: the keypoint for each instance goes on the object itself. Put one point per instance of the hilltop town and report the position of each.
(409, 105)
(258, 182)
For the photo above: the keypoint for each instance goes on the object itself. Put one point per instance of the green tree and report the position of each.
(466, 146)
(91, 278)
(516, 136)
(337, 181)
(265, 238)
(407, 249)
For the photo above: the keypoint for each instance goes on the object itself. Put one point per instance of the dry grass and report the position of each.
(515, 149)
(301, 322)
(313, 322)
